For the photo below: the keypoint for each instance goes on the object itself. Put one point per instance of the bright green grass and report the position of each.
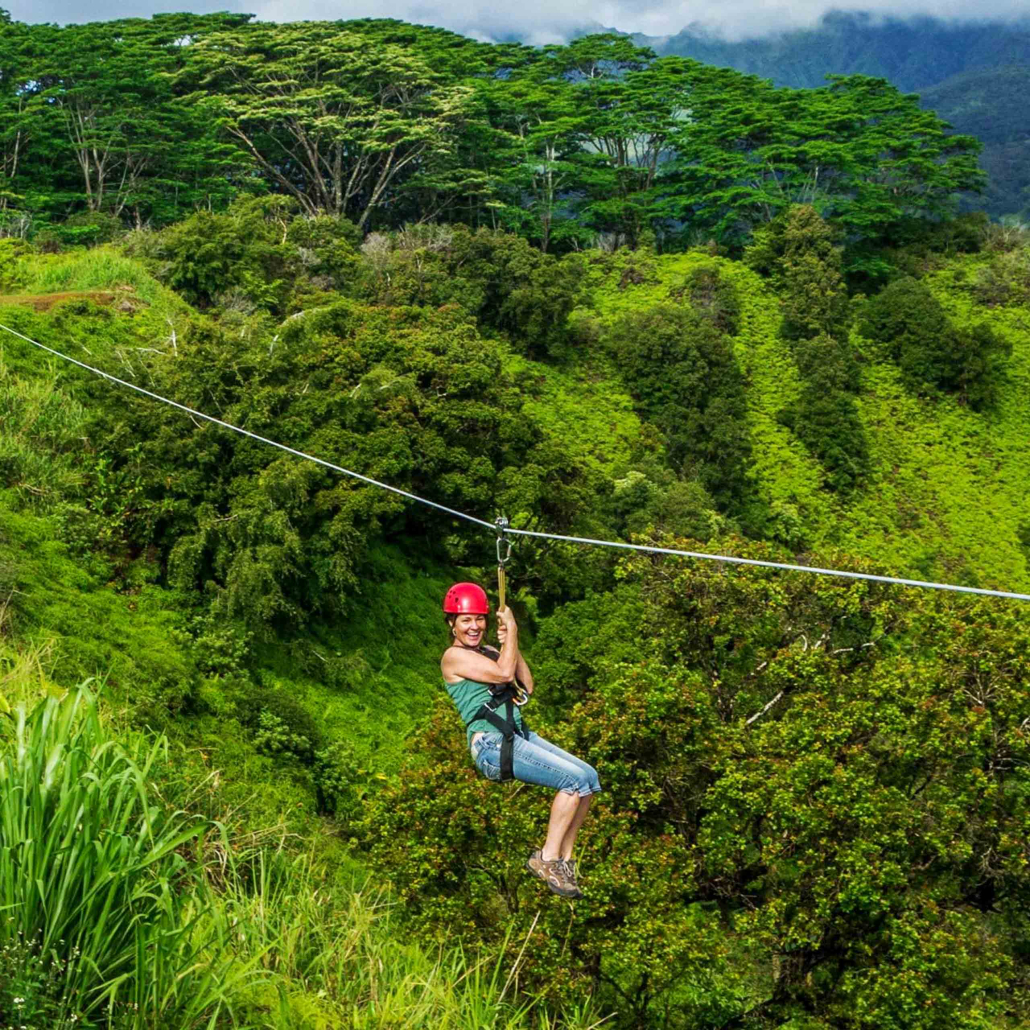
(97, 891)
(123, 912)
(949, 487)
(391, 646)
(98, 268)
(582, 405)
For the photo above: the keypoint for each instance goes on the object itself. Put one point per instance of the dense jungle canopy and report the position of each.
(600, 293)
(387, 123)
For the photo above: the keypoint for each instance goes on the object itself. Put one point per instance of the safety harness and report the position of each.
(511, 695)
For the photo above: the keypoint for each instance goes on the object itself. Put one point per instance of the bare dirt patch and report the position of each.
(123, 297)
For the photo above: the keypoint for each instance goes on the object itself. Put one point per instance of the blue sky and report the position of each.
(535, 20)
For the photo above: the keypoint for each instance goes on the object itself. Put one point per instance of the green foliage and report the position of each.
(112, 920)
(143, 122)
(799, 251)
(1005, 280)
(913, 329)
(714, 297)
(214, 255)
(292, 697)
(41, 426)
(412, 396)
(751, 151)
(682, 371)
(786, 824)
(89, 228)
(509, 286)
(95, 880)
(825, 416)
(357, 115)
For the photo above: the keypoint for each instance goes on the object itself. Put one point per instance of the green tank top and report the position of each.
(467, 696)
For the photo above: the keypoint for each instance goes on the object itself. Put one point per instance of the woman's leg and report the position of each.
(574, 781)
(564, 810)
(568, 810)
(588, 770)
(569, 839)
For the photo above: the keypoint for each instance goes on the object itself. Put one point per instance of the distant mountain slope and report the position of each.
(991, 103)
(974, 74)
(913, 53)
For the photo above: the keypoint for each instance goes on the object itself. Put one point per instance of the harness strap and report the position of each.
(507, 727)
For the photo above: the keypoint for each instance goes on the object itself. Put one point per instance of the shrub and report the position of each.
(89, 228)
(684, 376)
(912, 328)
(714, 297)
(280, 724)
(10, 275)
(500, 278)
(209, 255)
(825, 416)
(1005, 280)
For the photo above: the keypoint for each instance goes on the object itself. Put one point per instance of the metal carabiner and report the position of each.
(503, 542)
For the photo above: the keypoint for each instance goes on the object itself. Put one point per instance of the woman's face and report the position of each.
(469, 630)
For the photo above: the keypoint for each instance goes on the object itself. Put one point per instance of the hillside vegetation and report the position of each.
(279, 624)
(234, 791)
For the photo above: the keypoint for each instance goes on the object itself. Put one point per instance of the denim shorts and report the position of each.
(536, 761)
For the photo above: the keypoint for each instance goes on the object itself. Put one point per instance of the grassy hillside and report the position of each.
(948, 489)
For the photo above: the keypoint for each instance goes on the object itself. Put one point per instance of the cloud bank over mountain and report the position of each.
(541, 21)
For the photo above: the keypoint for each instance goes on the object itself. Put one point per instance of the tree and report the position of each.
(911, 326)
(799, 251)
(863, 154)
(328, 117)
(15, 119)
(683, 374)
(825, 417)
(539, 157)
(509, 285)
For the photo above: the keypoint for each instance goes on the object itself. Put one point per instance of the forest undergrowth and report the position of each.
(816, 801)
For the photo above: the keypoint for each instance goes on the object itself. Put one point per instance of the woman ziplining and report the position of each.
(482, 681)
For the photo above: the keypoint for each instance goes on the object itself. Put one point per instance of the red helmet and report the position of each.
(466, 599)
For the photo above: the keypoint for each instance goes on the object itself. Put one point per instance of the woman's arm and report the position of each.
(522, 673)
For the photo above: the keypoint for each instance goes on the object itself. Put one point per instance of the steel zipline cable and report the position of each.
(496, 527)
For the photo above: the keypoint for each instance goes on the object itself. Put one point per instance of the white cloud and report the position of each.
(539, 21)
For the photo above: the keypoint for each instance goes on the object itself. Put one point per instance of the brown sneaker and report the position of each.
(569, 866)
(553, 874)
